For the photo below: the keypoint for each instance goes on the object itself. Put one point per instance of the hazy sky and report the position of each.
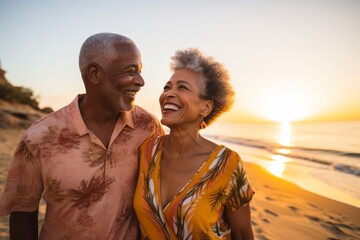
(289, 60)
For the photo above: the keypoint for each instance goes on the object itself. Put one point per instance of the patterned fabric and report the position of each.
(196, 212)
(88, 188)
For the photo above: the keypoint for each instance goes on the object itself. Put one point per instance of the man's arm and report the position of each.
(23, 225)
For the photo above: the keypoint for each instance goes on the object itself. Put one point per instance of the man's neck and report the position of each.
(101, 121)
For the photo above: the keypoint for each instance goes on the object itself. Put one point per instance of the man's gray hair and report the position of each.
(99, 48)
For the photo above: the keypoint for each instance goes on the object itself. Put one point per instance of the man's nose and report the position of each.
(138, 80)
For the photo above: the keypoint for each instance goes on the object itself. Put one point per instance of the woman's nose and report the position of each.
(167, 94)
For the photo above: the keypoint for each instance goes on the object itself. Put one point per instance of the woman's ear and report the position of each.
(208, 107)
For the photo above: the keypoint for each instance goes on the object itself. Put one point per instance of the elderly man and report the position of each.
(83, 157)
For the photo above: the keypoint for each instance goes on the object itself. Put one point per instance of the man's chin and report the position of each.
(127, 108)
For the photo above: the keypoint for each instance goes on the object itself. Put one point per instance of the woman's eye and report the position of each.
(182, 87)
(166, 88)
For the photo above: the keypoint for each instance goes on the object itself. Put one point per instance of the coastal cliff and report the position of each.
(19, 106)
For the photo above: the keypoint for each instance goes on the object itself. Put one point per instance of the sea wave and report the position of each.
(315, 155)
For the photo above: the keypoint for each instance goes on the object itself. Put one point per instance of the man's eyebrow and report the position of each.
(133, 66)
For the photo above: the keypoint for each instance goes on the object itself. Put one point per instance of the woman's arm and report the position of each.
(240, 223)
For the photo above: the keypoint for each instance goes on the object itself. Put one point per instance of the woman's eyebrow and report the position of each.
(183, 81)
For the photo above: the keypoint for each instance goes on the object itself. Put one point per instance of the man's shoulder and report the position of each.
(56, 118)
(144, 120)
(140, 112)
(138, 109)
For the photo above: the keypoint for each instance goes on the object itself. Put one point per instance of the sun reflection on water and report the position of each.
(277, 166)
(285, 134)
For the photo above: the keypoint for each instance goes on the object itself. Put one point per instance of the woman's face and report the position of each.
(180, 102)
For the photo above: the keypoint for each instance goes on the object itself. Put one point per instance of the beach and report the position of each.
(280, 209)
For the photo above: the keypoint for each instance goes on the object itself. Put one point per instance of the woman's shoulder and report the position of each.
(153, 140)
(151, 145)
(149, 148)
(231, 155)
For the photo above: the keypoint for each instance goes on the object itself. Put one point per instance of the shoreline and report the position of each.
(294, 173)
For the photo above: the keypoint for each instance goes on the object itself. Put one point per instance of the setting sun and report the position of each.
(285, 104)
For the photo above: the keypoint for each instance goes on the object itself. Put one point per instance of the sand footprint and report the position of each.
(314, 206)
(265, 220)
(271, 213)
(269, 198)
(293, 208)
(331, 227)
(313, 218)
(261, 237)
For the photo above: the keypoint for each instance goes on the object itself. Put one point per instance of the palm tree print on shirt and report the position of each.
(89, 192)
(23, 151)
(60, 139)
(96, 156)
(53, 190)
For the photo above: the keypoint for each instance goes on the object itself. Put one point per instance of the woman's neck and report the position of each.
(181, 141)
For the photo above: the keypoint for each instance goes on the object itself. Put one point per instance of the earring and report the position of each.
(202, 124)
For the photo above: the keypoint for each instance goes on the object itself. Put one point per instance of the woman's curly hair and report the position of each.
(217, 79)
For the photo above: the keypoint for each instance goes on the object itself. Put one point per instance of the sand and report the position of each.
(280, 209)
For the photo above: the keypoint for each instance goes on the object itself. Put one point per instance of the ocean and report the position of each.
(323, 158)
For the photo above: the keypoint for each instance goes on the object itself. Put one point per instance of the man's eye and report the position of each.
(132, 73)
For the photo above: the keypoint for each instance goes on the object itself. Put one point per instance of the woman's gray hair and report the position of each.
(217, 79)
(99, 48)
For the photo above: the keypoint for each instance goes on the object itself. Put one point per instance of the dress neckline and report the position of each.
(191, 179)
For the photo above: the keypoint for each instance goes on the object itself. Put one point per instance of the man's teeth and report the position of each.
(171, 107)
(132, 93)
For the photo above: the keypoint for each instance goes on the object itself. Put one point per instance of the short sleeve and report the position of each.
(23, 188)
(239, 191)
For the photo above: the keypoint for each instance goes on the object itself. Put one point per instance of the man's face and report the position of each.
(122, 78)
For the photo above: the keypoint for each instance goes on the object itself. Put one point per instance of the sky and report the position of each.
(288, 60)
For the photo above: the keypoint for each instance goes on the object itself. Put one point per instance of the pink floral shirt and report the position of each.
(88, 188)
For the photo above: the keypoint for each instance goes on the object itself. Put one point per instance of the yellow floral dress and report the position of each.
(196, 212)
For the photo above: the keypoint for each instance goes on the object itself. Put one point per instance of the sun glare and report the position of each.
(284, 103)
(284, 108)
(285, 134)
(277, 166)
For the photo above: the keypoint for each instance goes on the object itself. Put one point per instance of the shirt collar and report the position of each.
(77, 123)
(127, 117)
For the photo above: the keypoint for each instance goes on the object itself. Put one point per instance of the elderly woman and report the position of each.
(188, 186)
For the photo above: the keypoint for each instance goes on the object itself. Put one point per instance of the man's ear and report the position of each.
(95, 73)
